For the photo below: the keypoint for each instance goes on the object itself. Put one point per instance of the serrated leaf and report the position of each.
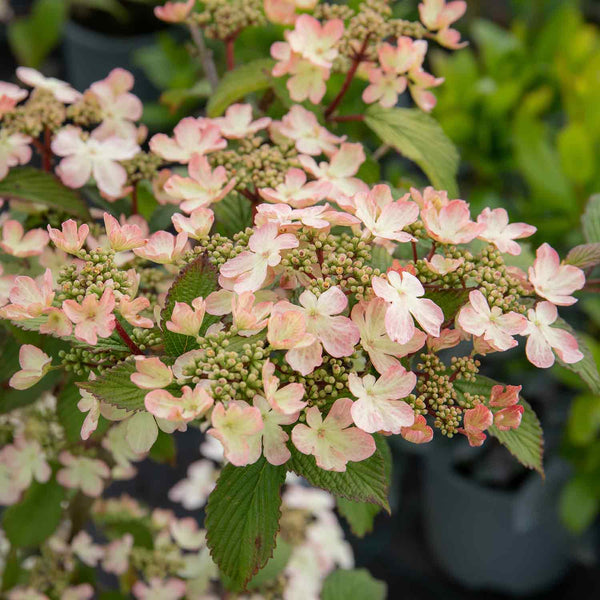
(450, 301)
(355, 584)
(232, 215)
(420, 138)
(584, 255)
(198, 278)
(245, 79)
(364, 481)
(242, 519)
(526, 443)
(70, 417)
(31, 185)
(359, 515)
(275, 565)
(36, 516)
(590, 220)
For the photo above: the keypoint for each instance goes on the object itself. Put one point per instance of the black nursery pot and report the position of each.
(509, 541)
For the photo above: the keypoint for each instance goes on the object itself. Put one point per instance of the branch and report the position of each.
(125, 337)
(206, 56)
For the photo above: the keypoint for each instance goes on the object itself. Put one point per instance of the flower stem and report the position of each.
(230, 52)
(206, 56)
(125, 337)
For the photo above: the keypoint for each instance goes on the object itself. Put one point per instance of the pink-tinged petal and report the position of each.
(509, 418)
(151, 373)
(305, 359)
(478, 418)
(399, 323)
(419, 432)
(503, 397)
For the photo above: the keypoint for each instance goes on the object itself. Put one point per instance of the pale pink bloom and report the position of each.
(249, 317)
(237, 122)
(202, 188)
(186, 533)
(158, 187)
(89, 404)
(163, 247)
(151, 373)
(14, 150)
(288, 399)
(130, 310)
(315, 42)
(293, 191)
(369, 317)
(123, 237)
(419, 83)
(475, 422)
(119, 108)
(192, 404)
(553, 281)
(378, 406)
(441, 265)
(496, 328)
(543, 339)
(448, 338)
(437, 16)
(57, 323)
(250, 268)
(159, 589)
(197, 225)
(282, 12)
(26, 593)
(116, 555)
(273, 437)
(186, 319)
(71, 237)
(93, 157)
(509, 417)
(191, 136)
(26, 459)
(93, 317)
(313, 217)
(450, 223)
(419, 432)
(449, 38)
(7, 282)
(174, 12)
(336, 178)
(192, 492)
(18, 243)
(385, 217)
(85, 550)
(288, 331)
(28, 297)
(238, 428)
(498, 232)
(10, 96)
(503, 397)
(430, 197)
(333, 441)
(82, 473)
(403, 292)
(61, 90)
(384, 87)
(301, 126)
(307, 81)
(34, 365)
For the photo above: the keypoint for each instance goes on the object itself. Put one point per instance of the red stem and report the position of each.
(230, 53)
(47, 156)
(414, 251)
(125, 337)
(343, 118)
(431, 252)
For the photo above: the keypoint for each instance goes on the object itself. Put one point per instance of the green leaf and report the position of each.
(70, 417)
(275, 565)
(356, 584)
(450, 301)
(381, 258)
(198, 278)
(420, 138)
(526, 443)
(31, 185)
(232, 215)
(360, 515)
(587, 367)
(164, 450)
(36, 516)
(242, 519)
(245, 79)
(576, 149)
(584, 420)
(590, 220)
(584, 256)
(579, 504)
(364, 481)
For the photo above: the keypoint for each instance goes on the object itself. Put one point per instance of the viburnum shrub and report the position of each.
(243, 278)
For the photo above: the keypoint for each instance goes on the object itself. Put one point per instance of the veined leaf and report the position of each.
(584, 256)
(232, 215)
(450, 301)
(245, 79)
(421, 139)
(590, 220)
(360, 515)
(242, 519)
(355, 584)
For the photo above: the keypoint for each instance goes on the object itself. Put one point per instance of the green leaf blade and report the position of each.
(590, 220)
(355, 584)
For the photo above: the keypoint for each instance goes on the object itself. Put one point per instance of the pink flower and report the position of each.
(273, 436)
(116, 555)
(191, 136)
(419, 83)
(186, 319)
(82, 473)
(385, 87)
(130, 310)
(151, 373)
(29, 298)
(543, 339)
(93, 317)
(34, 365)
(553, 281)
(18, 243)
(10, 96)
(192, 404)
(89, 404)
(119, 108)
(448, 338)
(288, 399)
(315, 42)
(238, 428)
(61, 90)
(307, 81)
(293, 191)
(496, 328)
(250, 268)
(202, 188)
(509, 417)
(378, 406)
(168, 589)
(237, 122)
(163, 248)
(174, 12)
(193, 491)
(123, 237)
(301, 126)
(505, 396)
(419, 432)
(26, 459)
(450, 223)
(197, 225)
(249, 317)
(332, 441)
(369, 317)
(475, 422)
(440, 265)
(14, 150)
(385, 217)
(70, 237)
(93, 157)
(287, 330)
(57, 324)
(403, 292)
(498, 232)
(437, 16)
